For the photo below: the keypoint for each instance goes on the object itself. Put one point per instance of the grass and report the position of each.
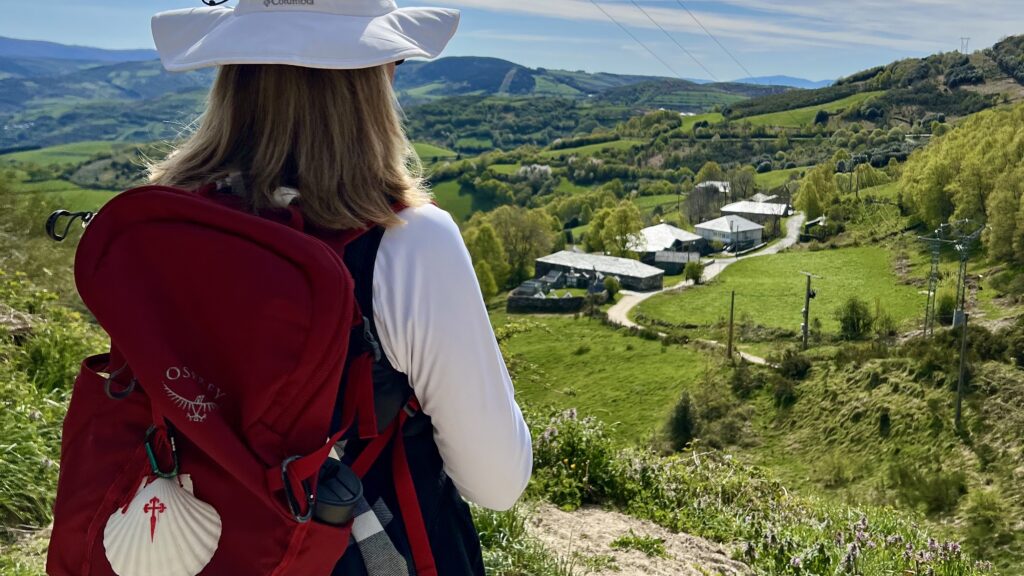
(430, 153)
(770, 290)
(506, 169)
(592, 148)
(474, 143)
(648, 545)
(801, 117)
(651, 202)
(776, 178)
(76, 153)
(710, 117)
(460, 206)
(581, 363)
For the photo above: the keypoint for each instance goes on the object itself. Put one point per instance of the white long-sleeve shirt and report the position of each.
(434, 328)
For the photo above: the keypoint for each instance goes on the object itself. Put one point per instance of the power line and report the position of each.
(676, 42)
(635, 39)
(712, 36)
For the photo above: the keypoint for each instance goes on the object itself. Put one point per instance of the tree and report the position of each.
(594, 239)
(485, 246)
(525, 234)
(855, 319)
(821, 117)
(817, 191)
(694, 271)
(621, 230)
(488, 287)
(711, 171)
(742, 182)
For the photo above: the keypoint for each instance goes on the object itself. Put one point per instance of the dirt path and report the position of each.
(619, 313)
(588, 533)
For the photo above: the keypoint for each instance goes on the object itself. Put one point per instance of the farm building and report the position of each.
(632, 275)
(759, 212)
(734, 231)
(668, 247)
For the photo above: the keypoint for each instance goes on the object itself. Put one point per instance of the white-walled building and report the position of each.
(731, 230)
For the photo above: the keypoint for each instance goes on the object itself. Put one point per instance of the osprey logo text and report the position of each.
(197, 409)
(269, 3)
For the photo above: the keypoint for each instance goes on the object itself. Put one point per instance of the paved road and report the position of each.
(619, 313)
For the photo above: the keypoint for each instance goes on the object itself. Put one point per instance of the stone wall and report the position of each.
(527, 305)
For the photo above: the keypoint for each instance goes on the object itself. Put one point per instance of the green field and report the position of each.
(689, 121)
(506, 169)
(776, 178)
(770, 290)
(65, 154)
(645, 203)
(429, 152)
(590, 149)
(800, 117)
(460, 206)
(626, 381)
(74, 197)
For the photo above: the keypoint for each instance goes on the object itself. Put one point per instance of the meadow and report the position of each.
(629, 383)
(800, 117)
(770, 290)
(590, 149)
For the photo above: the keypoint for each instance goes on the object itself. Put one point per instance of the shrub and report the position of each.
(693, 272)
(945, 307)
(987, 518)
(793, 365)
(744, 382)
(928, 487)
(682, 425)
(572, 459)
(611, 284)
(855, 319)
(784, 392)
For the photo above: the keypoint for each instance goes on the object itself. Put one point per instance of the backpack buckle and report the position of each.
(293, 502)
(371, 340)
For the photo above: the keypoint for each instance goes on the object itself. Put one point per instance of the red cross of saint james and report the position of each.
(153, 507)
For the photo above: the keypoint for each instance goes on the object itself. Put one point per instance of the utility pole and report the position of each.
(958, 419)
(732, 309)
(964, 43)
(809, 294)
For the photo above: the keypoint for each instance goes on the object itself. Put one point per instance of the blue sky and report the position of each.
(815, 39)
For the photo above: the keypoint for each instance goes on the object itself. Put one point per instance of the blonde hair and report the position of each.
(334, 134)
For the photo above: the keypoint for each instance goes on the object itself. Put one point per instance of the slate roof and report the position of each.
(609, 265)
(760, 208)
(662, 237)
(730, 223)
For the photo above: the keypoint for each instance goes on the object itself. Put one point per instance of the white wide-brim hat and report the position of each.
(338, 34)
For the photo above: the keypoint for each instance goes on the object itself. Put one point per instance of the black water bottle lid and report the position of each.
(337, 493)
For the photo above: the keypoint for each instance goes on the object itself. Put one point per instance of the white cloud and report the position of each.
(903, 25)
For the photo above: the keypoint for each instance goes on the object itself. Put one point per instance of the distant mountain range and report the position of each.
(15, 48)
(786, 81)
(52, 93)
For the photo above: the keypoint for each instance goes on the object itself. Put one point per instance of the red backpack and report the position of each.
(195, 445)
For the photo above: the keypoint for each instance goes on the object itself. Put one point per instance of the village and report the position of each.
(567, 280)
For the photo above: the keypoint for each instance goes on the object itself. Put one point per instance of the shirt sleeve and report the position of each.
(433, 326)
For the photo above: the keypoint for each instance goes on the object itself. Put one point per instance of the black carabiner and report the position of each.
(108, 385)
(54, 220)
(294, 504)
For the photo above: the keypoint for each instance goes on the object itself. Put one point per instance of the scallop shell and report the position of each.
(164, 531)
